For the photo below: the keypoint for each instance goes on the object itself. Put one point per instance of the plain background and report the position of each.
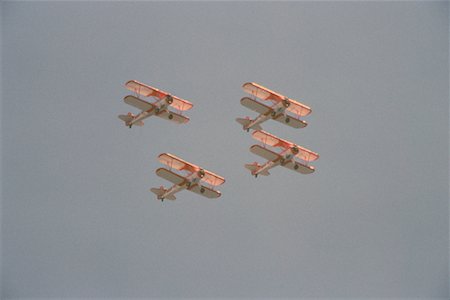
(78, 219)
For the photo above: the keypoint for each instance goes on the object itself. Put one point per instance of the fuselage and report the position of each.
(277, 110)
(191, 180)
(286, 156)
(157, 107)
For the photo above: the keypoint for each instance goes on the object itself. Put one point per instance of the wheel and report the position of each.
(170, 117)
(256, 175)
(130, 126)
(296, 167)
(202, 190)
(248, 129)
(287, 120)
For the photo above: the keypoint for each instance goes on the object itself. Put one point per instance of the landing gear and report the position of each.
(256, 175)
(130, 125)
(162, 199)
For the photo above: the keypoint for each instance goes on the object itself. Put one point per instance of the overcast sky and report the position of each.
(78, 219)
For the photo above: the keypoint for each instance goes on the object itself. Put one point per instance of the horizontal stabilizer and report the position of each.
(160, 191)
(252, 167)
(245, 122)
(126, 118)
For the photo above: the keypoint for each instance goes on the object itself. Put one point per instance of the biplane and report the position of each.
(278, 111)
(194, 180)
(285, 158)
(158, 108)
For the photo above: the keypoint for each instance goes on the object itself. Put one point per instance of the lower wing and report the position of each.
(138, 103)
(298, 167)
(290, 121)
(264, 153)
(205, 191)
(174, 117)
(170, 176)
(255, 105)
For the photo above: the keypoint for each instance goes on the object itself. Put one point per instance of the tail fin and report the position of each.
(246, 121)
(160, 191)
(254, 167)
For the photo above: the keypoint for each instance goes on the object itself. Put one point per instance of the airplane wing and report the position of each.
(170, 176)
(181, 104)
(266, 94)
(261, 92)
(177, 163)
(145, 90)
(270, 139)
(255, 105)
(213, 179)
(205, 191)
(298, 108)
(290, 121)
(149, 91)
(264, 153)
(300, 168)
(174, 117)
(138, 103)
(306, 154)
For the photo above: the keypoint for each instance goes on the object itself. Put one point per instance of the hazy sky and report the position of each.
(78, 219)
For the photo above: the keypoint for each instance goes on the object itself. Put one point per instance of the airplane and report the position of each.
(191, 182)
(276, 112)
(285, 158)
(159, 108)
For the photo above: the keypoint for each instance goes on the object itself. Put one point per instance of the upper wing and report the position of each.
(298, 108)
(171, 116)
(149, 91)
(177, 163)
(298, 167)
(265, 153)
(170, 176)
(270, 139)
(306, 154)
(138, 103)
(266, 94)
(145, 90)
(213, 179)
(205, 191)
(290, 121)
(181, 104)
(261, 92)
(255, 105)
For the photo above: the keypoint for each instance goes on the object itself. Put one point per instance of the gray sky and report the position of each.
(78, 219)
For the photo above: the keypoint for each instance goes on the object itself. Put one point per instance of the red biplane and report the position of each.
(158, 108)
(278, 111)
